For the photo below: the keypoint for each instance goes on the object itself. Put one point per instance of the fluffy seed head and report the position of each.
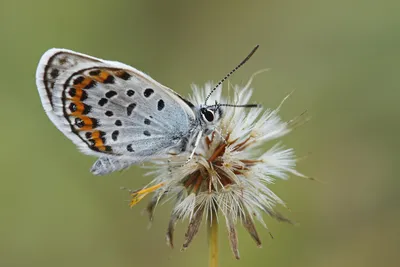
(230, 172)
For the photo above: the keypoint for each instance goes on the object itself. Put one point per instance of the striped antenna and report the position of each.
(230, 73)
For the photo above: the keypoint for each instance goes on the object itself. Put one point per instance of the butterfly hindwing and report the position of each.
(110, 109)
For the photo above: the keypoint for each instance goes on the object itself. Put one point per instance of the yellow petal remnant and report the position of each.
(138, 195)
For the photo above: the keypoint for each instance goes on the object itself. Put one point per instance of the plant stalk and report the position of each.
(213, 240)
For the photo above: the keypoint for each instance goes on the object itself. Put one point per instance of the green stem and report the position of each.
(213, 240)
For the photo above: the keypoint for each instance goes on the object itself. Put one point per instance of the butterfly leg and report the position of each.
(196, 144)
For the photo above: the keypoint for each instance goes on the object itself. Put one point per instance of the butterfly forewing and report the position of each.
(109, 108)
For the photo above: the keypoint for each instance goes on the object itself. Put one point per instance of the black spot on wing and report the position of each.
(54, 73)
(109, 80)
(72, 107)
(86, 109)
(94, 72)
(79, 122)
(103, 101)
(130, 92)
(114, 135)
(160, 104)
(84, 96)
(130, 108)
(79, 80)
(72, 92)
(95, 122)
(148, 92)
(129, 148)
(111, 93)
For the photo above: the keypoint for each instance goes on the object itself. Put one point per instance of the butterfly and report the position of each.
(118, 113)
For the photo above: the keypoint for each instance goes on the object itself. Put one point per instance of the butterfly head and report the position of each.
(209, 116)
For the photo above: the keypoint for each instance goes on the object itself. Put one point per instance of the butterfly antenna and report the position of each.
(241, 106)
(230, 73)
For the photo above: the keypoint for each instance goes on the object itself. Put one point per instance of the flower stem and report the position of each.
(213, 240)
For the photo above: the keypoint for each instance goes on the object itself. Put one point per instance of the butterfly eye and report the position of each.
(208, 114)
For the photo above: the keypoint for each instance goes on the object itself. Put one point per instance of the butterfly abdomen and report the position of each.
(106, 165)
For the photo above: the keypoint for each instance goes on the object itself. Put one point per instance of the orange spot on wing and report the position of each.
(78, 95)
(88, 123)
(83, 84)
(103, 75)
(95, 134)
(80, 107)
(98, 142)
(97, 139)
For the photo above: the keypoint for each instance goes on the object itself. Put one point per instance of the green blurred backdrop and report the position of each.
(342, 58)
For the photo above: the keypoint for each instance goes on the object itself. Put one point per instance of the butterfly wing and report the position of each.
(110, 109)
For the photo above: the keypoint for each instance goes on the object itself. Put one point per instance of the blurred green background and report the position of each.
(342, 58)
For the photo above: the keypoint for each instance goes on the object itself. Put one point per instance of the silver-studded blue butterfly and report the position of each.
(118, 113)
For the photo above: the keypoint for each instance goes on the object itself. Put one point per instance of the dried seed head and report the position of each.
(229, 173)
